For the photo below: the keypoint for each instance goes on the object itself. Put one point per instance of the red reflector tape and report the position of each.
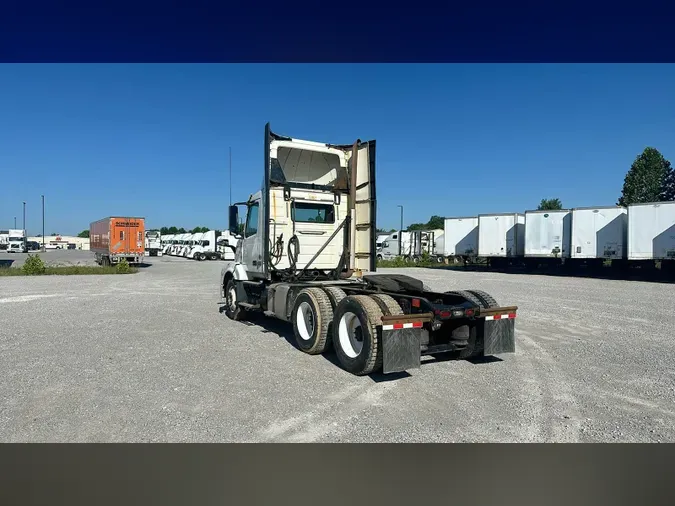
(501, 316)
(399, 326)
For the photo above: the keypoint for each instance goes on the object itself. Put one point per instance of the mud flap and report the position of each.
(401, 349)
(499, 336)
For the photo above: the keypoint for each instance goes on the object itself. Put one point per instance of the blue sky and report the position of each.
(152, 140)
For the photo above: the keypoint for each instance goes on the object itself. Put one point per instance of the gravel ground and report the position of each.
(148, 357)
(51, 257)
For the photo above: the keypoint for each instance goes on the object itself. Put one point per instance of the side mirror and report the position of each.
(234, 220)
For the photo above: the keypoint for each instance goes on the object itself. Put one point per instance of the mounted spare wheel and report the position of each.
(356, 339)
(312, 315)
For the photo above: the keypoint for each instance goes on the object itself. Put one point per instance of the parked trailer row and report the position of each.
(639, 233)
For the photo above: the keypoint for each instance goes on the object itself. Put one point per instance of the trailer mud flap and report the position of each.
(402, 338)
(499, 336)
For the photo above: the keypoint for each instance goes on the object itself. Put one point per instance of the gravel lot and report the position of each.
(148, 357)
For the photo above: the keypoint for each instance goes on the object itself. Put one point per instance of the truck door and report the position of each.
(252, 243)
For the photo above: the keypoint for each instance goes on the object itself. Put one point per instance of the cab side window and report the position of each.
(252, 219)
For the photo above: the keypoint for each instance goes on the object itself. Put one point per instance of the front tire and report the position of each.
(232, 308)
(312, 316)
(356, 340)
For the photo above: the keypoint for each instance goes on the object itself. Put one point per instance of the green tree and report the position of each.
(436, 222)
(647, 179)
(668, 190)
(550, 205)
(164, 231)
(173, 230)
(84, 234)
(181, 230)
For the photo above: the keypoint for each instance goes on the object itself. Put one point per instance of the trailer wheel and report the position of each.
(312, 315)
(356, 342)
(201, 257)
(232, 309)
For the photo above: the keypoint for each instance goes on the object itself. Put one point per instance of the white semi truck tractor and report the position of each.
(308, 257)
(153, 243)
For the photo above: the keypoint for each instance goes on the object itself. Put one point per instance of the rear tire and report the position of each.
(356, 339)
(388, 304)
(311, 317)
(487, 299)
(475, 346)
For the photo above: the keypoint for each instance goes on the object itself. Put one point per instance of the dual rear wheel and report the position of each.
(322, 317)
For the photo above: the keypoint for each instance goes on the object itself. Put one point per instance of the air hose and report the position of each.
(294, 252)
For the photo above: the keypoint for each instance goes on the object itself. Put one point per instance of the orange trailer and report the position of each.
(115, 238)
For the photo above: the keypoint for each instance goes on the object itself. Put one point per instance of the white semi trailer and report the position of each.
(308, 257)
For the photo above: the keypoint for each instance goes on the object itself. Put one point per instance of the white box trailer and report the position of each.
(548, 234)
(501, 235)
(460, 236)
(651, 231)
(599, 232)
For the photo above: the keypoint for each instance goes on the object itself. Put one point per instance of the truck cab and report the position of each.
(153, 243)
(17, 241)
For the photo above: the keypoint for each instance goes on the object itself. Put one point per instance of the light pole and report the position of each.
(43, 222)
(15, 223)
(24, 226)
(400, 239)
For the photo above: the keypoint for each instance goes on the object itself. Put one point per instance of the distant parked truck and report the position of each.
(17, 241)
(153, 243)
(413, 245)
(651, 232)
(599, 234)
(204, 246)
(227, 245)
(114, 239)
(4, 240)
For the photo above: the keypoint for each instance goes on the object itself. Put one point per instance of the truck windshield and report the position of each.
(16, 239)
(310, 212)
